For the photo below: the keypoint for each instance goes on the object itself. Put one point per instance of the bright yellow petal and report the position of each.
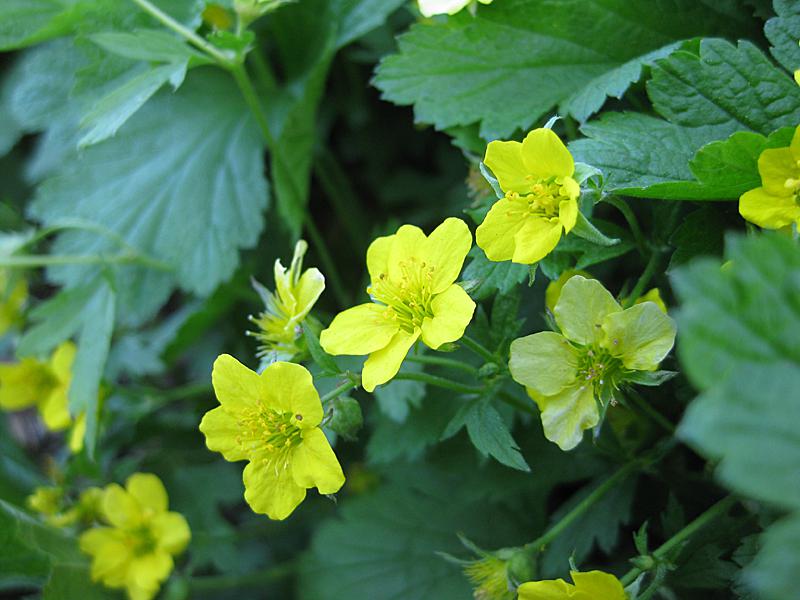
(291, 388)
(24, 384)
(308, 290)
(640, 336)
(270, 491)
(582, 307)
(382, 365)
(495, 236)
(61, 362)
(147, 572)
(505, 161)
(359, 330)
(537, 238)
(768, 211)
(445, 250)
(378, 257)
(77, 434)
(120, 508)
(545, 362)
(221, 431)
(171, 532)
(452, 312)
(545, 155)
(55, 410)
(596, 584)
(148, 491)
(407, 244)
(776, 165)
(236, 386)
(566, 415)
(557, 589)
(111, 556)
(568, 214)
(314, 463)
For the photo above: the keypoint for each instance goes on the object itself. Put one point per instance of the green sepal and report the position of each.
(584, 229)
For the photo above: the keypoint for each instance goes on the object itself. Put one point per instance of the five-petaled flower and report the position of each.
(414, 297)
(45, 385)
(541, 198)
(591, 585)
(776, 203)
(599, 347)
(296, 291)
(271, 420)
(135, 551)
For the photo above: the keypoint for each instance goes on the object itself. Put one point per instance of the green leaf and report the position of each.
(491, 437)
(150, 45)
(738, 330)
(323, 359)
(774, 571)
(112, 110)
(466, 69)
(700, 234)
(650, 378)
(783, 31)
(94, 341)
(491, 277)
(733, 87)
(585, 230)
(396, 399)
(27, 22)
(193, 214)
(68, 581)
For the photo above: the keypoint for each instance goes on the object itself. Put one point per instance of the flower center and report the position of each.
(269, 434)
(410, 296)
(543, 200)
(597, 367)
(142, 541)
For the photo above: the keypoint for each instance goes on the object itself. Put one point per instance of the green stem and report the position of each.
(541, 542)
(36, 260)
(631, 219)
(338, 391)
(447, 363)
(648, 410)
(441, 382)
(647, 275)
(224, 59)
(684, 534)
(249, 580)
(480, 350)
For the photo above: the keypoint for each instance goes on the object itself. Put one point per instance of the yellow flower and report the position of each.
(135, 552)
(414, 297)
(49, 502)
(553, 291)
(271, 420)
(44, 385)
(428, 8)
(600, 345)
(654, 296)
(295, 295)
(541, 198)
(592, 585)
(13, 294)
(489, 578)
(776, 203)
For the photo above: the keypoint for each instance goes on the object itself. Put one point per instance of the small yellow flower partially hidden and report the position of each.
(429, 8)
(54, 507)
(32, 382)
(776, 203)
(592, 585)
(296, 291)
(135, 552)
(600, 345)
(489, 578)
(271, 420)
(541, 198)
(414, 297)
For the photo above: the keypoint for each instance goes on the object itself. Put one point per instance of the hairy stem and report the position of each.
(447, 363)
(441, 382)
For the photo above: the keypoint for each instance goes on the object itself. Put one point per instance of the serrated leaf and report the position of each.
(491, 436)
(783, 31)
(465, 69)
(734, 87)
(204, 185)
(491, 277)
(738, 329)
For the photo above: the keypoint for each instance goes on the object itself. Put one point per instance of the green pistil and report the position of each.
(598, 368)
(410, 297)
(269, 433)
(143, 541)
